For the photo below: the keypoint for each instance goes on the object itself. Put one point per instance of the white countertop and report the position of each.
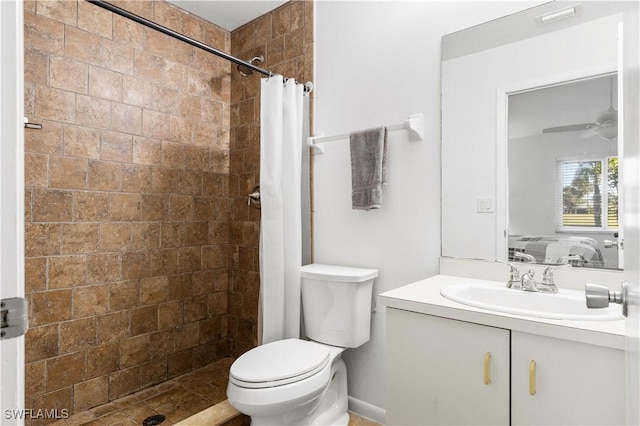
(424, 297)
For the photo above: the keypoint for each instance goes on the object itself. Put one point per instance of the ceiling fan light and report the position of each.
(607, 133)
(607, 118)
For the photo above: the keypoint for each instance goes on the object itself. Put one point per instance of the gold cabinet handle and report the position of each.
(487, 359)
(532, 378)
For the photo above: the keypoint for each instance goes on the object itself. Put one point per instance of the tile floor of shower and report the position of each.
(178, 399)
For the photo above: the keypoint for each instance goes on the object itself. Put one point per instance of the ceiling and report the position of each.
(228, 14)
(565, 104)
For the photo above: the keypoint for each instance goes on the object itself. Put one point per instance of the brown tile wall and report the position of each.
(127, 201)
(285, 38)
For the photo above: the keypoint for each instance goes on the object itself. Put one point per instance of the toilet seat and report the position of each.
(279, 363)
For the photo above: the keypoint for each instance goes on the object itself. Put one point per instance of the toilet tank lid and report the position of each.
(337, 273)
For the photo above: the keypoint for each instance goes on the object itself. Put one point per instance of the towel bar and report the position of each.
(414, 125)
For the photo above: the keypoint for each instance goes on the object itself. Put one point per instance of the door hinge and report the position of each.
(15, 319)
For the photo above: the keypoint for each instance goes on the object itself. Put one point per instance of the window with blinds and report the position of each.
(588, 194)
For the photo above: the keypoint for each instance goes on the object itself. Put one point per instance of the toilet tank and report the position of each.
(336, 304)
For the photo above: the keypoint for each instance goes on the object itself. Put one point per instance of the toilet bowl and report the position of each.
(299, 382)
(304, 382)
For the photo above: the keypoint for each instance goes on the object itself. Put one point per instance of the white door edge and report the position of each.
(629, 56)
(11, 202)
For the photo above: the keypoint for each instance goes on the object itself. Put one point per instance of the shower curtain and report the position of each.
(281, 118)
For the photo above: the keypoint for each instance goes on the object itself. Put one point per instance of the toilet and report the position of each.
(304, 382)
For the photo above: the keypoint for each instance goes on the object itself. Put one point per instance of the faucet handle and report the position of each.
(514, 279)
(513, 269)
(564, 260)
(547, 275)
(527, 258)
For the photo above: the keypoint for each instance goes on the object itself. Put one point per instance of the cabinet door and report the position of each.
(436, 371)
(573, 383)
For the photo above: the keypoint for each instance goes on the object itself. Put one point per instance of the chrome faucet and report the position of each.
(514, 278)
(548, 285)
(528, 281)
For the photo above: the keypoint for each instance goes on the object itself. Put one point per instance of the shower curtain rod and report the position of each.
(132, 16)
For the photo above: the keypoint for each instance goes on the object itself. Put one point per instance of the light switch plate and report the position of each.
(486, 204)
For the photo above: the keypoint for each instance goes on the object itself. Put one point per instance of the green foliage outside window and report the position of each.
(583, 202)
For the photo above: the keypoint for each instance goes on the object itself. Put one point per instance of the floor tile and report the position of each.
(176, 399)
(195, 398)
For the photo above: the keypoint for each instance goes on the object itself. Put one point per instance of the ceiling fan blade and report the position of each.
(570, 128)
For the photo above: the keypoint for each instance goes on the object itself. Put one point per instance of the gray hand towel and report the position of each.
(368, 167)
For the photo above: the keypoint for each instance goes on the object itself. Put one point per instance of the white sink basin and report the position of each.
(564, 305)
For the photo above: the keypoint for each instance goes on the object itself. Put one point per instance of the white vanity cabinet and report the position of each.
(572, 383)
(436, 371)
(445, 371)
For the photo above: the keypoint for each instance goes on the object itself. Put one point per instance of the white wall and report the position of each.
(376, 63)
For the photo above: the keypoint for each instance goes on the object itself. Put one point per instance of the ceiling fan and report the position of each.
(605, 125)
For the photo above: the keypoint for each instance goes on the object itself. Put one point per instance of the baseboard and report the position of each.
(367, 410)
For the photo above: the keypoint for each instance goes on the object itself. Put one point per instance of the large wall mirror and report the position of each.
(531, 137)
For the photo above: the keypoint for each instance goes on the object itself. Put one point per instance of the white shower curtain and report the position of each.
(281, 118)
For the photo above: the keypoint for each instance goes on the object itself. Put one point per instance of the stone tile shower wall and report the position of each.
(127, 201)
(285, 38)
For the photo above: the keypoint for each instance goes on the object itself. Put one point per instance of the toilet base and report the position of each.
(334, 401)
(331, 404)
